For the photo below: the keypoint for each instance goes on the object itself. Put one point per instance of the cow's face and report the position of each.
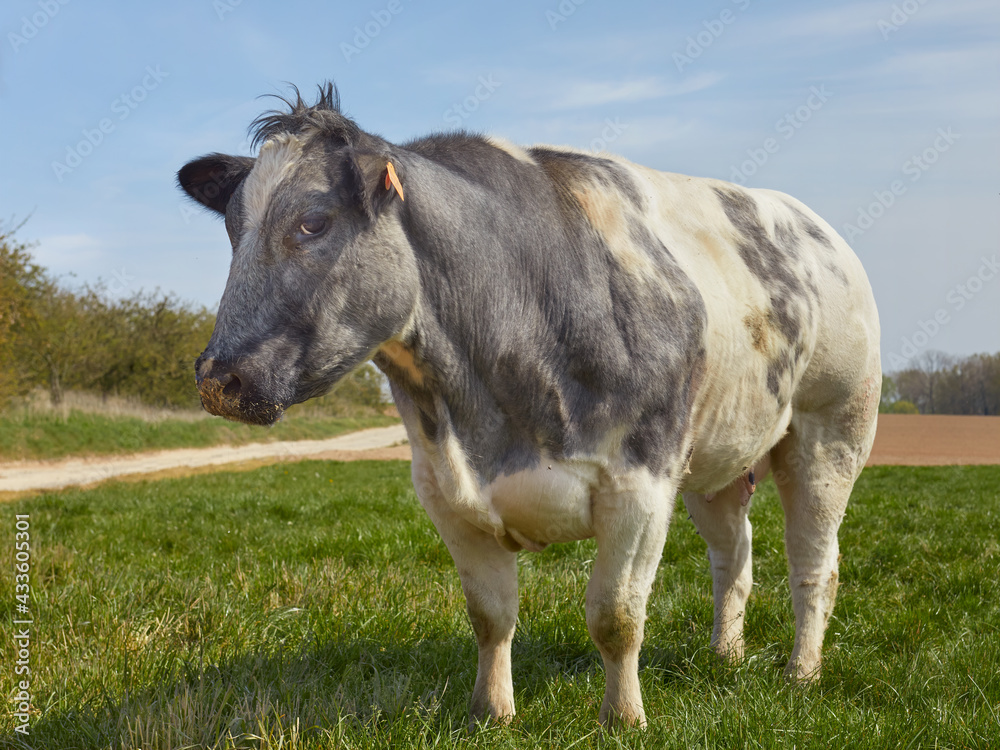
(321, 273)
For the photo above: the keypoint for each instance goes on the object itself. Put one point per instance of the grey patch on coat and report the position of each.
(530, 325)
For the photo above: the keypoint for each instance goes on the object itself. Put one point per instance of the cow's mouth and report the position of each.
(227, 396)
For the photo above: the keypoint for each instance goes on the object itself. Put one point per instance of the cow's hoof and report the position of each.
(801, 673)
(731, 652)
(485, 716)
(626, 717)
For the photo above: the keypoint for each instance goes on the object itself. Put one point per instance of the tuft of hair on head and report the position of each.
(323, 117)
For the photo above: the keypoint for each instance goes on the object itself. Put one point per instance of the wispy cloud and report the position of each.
(822, 29)
(828, 23)
(983, 13)
(598, 93)
(947, 81)
(943, 64)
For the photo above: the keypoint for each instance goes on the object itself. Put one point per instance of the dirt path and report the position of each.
(378, 443)
(903, 440)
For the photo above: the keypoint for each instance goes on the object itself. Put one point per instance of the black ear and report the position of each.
(212, 180)
(376, 189)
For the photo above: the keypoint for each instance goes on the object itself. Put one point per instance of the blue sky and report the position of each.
(882, 116)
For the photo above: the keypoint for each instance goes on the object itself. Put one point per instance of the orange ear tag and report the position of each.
(392, 179)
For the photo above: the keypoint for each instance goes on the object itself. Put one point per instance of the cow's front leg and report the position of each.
(630, 520)
(489, 580)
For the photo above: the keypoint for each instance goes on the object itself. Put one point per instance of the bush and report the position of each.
(361, 393)
(22, 283)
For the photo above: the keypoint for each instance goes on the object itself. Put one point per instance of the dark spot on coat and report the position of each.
(838, 273)
(758, 324)
(811, 228)
(790, 300)
(781, 368)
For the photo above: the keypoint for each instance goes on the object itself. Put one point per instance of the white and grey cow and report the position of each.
(571, 340)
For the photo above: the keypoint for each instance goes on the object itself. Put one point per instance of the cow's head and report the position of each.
(321, 272)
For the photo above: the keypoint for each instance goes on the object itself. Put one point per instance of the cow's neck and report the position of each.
(467, 239)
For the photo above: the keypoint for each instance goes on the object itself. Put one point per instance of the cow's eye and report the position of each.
(312, 225)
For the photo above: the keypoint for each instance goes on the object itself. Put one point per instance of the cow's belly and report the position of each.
(546, 504)
(728, 442)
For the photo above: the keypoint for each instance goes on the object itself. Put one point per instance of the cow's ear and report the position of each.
(379, 181)
(212, 180)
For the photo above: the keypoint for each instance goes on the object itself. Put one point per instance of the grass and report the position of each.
(313, 605)
(54, 435)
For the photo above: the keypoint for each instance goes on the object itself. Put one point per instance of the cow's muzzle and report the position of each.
(230, 391)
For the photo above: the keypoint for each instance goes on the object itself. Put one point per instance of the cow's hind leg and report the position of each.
(489, 580)
(630, 522)
(815, 466)
(722, 521)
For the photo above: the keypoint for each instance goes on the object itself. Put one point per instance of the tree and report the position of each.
(923, 384)
(934, 364)
(362, 387)
(22, 284)
(53, 342)
(902, 407)
(145, 346)
(982, 394)
(890, 394)
(940, 384)
(12, 309)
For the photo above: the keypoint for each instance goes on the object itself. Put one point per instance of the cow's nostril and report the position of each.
(232, 388)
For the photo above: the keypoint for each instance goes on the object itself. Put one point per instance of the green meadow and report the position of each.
(312, 605)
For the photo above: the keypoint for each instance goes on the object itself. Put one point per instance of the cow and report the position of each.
(571, 340)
